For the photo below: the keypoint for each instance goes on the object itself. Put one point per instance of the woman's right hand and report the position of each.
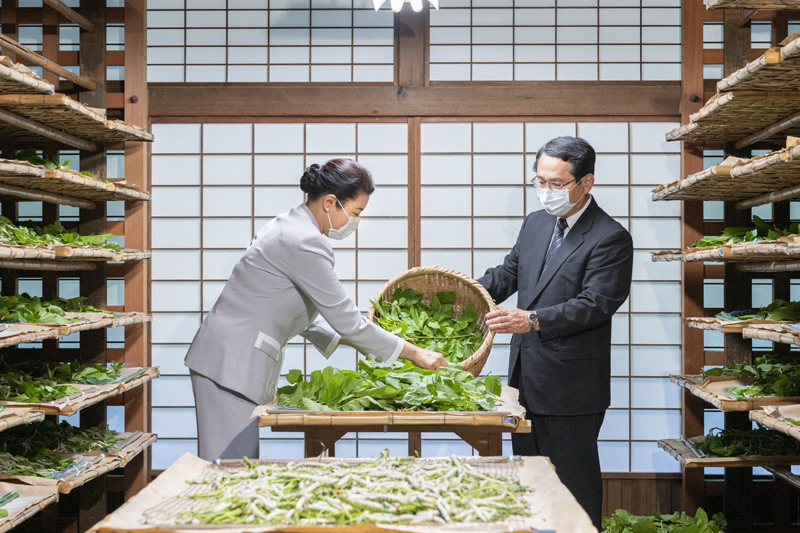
(423, 358)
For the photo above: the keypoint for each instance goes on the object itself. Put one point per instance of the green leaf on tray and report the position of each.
(772, 376)
(778, 310)
(28, 234)
(624, 522)
(740, 443)
(735, 235)
(23, 308)
(37, 382)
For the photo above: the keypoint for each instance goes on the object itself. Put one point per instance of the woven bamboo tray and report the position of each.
(430, 280)
(711, 392)
(24, 333)
(726, 326)
(686, 456)
(748, 252)
(306, 419)
(735, 115)
(69, 183)
(74, 407)
(60, 112)
(103, 467)
(31, 500)
(19, 79)
(135, 448)
(741, 180)
(753, 4)
(774, 335)
(775, 423)
(777, 70)
(19, 417)
(552, 507)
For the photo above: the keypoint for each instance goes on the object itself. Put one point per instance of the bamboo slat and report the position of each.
(366, 419)
(49, 266)
(40, 196)
(777, 70)
(40, 333)
(734, 115)
(696, 386)
(20, 420)
(781, 337)
(13, 126)
(69, 183)
(743, 180)
(60, 112)
(684, 454)
(19, 79)
(70, 14)
(778, 266)
(753, 4)
(785, 474)
(775, 423)
(666, 256)
(26, 252)
(760, 254)
(10, 44)
(95, 471)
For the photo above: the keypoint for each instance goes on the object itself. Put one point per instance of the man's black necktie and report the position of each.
(561, 227)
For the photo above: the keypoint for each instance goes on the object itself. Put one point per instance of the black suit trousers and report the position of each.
(570, 442)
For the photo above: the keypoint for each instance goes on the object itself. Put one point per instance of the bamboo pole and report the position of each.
(782, 266)
(72, 15)
(769, 132)
(769, 198)
(45, 131)
(38, 264)
(41, 196)
(36, 59)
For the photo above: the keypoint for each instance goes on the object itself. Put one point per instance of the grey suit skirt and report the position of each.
(224, 427)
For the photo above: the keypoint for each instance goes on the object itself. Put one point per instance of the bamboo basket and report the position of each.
(432, 279)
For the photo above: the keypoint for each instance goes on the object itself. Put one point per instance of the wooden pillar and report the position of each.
(137, 235)
(693, 486)
(412, 32)
(738, 294)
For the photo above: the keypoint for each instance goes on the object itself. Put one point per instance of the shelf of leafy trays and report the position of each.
(778, 312)
(770, 380)
(777, 70)
(739, 179)
(54, 242)
(16, 78)
(64, 456)
(62, 113)
(399, 493)
(780, 333)
(25, 169)
(734, 448)
(679, 522)
(20, 502)
(757, 243)
(782, 418)
(66, 388)
(733, 116)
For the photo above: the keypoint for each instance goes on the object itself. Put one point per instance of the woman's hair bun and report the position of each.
(311, 182)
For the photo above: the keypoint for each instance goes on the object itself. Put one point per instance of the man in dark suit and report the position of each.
(571, 267)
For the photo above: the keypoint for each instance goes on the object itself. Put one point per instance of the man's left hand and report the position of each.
(508, 320)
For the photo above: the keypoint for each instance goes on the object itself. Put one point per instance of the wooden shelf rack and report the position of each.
(715, 396)
(689, 459)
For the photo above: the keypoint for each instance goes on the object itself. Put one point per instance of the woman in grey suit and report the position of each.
(277, 291)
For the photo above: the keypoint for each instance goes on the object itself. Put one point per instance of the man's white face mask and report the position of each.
(556, 201)
(345, 231)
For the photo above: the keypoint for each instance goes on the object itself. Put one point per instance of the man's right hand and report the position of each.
(423, 358)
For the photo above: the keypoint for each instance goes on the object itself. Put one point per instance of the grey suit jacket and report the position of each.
(566, 366)
(276, 292)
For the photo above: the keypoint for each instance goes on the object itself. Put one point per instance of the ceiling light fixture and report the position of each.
(397, 5)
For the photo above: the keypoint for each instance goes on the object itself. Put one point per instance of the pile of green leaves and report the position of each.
(53, 234)
(432, 327)
(29, 155)
(403, 386)
(737, 443)
(760, 231)
(23, 308)
(5, 499)
(772, 377)
(41, 463)
(779, 310)
(624, 522)
(61, 438)
(34, 382)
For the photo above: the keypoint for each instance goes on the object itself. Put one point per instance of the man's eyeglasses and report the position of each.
(540, 184)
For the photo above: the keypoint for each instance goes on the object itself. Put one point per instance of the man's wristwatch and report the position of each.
(533, 319)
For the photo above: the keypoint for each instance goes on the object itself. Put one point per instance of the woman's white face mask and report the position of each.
(346, 230)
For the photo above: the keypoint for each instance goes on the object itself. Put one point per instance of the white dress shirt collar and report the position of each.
(572, 219)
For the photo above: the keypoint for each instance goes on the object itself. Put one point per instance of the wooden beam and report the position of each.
(42, 196)
(186, 100)
(10, 44)
(137, 235)
(711, 56)
(745, 18)
(70, 14)
(45, 131)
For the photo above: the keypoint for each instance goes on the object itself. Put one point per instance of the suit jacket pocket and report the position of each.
(266, 347)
